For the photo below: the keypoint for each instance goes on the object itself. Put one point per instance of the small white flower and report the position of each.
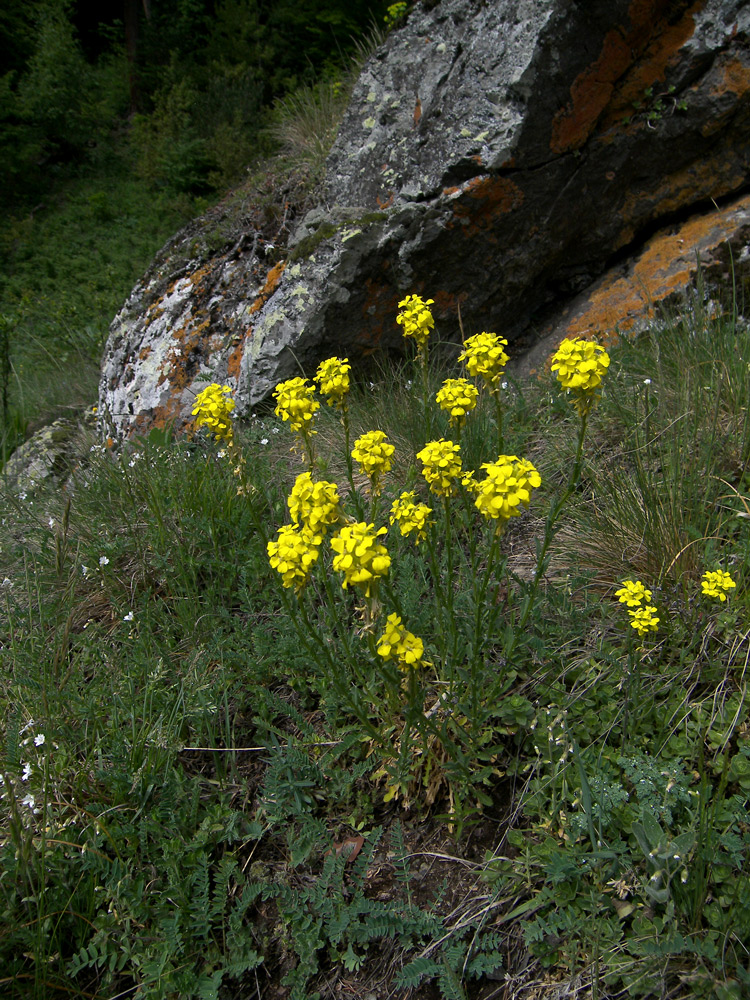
(408, 384)
(503, 385)
(647, 381)
(84, 570)
(274, 430)
(131, 463)
(264, 441)
(51, 522)
(28, 800)
(26, 773)
(22, 496)
(39, 739)
(7, 583)
(103, 561)
(129, 617)
(221, 454)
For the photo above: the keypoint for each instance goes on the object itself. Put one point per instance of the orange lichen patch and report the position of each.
(144, 353)
(668, 265)
(234, 361)
(448, 302)
(451, 190)
(662, 49)
(710, 177)
(734, 78)
(379, 312)
(495, 195)
(385, 202)
(631, 60)
(272, 280)
(201, 273)
(153, 312)
(590, 95)
(417, 111)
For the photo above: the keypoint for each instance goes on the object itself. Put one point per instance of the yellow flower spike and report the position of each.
(332, 377)
(416, 319)
(212, 409)
(442, 466)
(506, 487)
(293, 555)
(633, 593)
(714, 583)
(485, 358)
(457, 397)
(398, 643)
(581, 365)
(644, 619)
(314, 506)
(295, 403)
(374, 453)
(359, 555)
(411, 516)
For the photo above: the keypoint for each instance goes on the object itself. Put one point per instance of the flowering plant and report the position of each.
(457, 397)
(411, 516)
(314, 506)
(373, 452)
(293, 555)
(359, 555)
(441, 462)
(581, 365)
(332, 377)
(398, 643)
(416, 319)
(485, 358)
(295, 403)
(506, 487)
(715, 583)
(212, 409)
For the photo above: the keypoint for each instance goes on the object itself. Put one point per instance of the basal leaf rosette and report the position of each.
(332, 377)
(716, 583)
(399, 644)
(373, 452)
(441, 466)
(212, 409)
(296, 403)
(506, 487)
(457, 397)
(411, 517)
(315, 506)
(293, 554)
(416, 319)
(581, 365)
(485, 357)
(360, 556)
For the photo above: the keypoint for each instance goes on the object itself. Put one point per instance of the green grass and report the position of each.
(183, 828)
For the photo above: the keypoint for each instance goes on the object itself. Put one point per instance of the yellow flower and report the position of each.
(314, 506)
(332, 377)
(633, 593)
(442, 465)
(294, 554)
(410, 516)
(374, 453)
(715, 582)
(295, 403)
(484, 357)
(644, 619)
(507, 485)
(397, 643)
(581, 365)
(212, 409)
(416, 319)
(359, 555)
(457, 397)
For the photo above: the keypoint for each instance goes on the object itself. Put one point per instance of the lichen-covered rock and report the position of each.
(498, 157)
(45, 458)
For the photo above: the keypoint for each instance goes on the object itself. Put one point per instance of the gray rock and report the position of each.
(46, 457)
(497, 157)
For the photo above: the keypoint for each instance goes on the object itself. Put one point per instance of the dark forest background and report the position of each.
(119, 122)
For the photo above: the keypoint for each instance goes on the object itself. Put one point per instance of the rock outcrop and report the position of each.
(498, 157)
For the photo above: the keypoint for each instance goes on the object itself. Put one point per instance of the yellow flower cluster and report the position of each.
(416, 319)
(332, 377)
(359, 555)
(294, 554)
(397, 643)
(314, 506)
(643, 617)
(484, 357)
(411, 516)
(442, 465)
(581, 365)
(507, 485)
(295, 403)
(457, 397)
(212, 409)
(374, 453)
(715, 583)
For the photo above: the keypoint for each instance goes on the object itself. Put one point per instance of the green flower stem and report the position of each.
(437, 583)
(449, 588)
(349, 463)
(550, 527)
(480, 633)
(499, 417)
